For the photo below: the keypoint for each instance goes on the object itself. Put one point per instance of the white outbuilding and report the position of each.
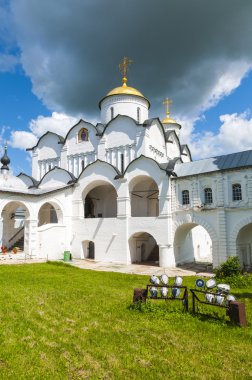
(126, 191)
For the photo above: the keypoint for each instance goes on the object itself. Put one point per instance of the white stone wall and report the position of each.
(46, 153)
(124, 105)
(219, 218)
(51, 241)
(207, 229)
(223, 221)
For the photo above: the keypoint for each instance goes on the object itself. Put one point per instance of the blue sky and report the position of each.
(56, 65)
(18, 106)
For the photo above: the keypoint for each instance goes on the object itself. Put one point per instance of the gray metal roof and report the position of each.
(213, 164)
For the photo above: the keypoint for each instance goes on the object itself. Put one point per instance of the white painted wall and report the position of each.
(124, 105)
(51, 241)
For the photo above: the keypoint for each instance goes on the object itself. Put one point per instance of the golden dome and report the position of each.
(168, 120)
(125, 90)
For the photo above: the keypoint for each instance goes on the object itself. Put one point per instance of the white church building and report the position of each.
(126, 191)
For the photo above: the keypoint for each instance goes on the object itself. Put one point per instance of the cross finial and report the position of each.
(123, 67)
(167, 102)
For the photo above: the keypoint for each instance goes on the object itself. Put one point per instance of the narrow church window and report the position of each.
(185, 197)
(82, 165)
(122, 163)
(49, 167)
(138, 114)
(208, 195)
(112, 112)
(237, 192)
(83, 135)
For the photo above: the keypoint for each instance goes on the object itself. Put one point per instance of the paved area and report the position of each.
(113, 267)
(16, 259)
(137, 269)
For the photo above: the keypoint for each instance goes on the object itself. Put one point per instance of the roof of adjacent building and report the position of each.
(213, 164)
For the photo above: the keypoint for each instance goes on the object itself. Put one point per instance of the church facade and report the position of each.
(126, 190)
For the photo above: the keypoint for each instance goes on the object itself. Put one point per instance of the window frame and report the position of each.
(208, 199)
(185, 198)
(236, 194)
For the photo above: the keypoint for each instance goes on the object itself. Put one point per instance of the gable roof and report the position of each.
(75, 125)
(61, 139)
(72, 178)
(115, 118)
(33, 180)
(184, 147)
(214, 164)
(118, 173)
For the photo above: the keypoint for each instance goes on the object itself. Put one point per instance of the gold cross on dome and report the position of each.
(167, 102)
(123, 67)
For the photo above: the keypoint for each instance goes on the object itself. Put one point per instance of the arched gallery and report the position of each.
(127, 191)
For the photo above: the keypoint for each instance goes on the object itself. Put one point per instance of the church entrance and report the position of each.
(192, 244)
(143, 249)
(88, 247)
(244, 246)
(12, 228)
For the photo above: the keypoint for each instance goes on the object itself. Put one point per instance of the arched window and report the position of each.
(185, 197)
(112, 113)
(82, 165)
(237, 192)
(208, 195)
(83, 135)
(138, 114)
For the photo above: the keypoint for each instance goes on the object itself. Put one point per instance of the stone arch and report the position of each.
(50, 212)
(144, 166)
(14, 217)
(143, 248)
(103, 196)
(241, 247)
(144, 196)
(235, 231)
(29, 208)
(208, 241)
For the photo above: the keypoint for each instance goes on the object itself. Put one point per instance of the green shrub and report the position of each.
(239, 281)
(231, 272)
(230, 268)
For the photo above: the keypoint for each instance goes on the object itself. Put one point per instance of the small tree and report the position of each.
(230, 268)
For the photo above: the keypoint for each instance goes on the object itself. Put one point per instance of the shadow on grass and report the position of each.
(60, 264)
(244, 295)
(209, 317)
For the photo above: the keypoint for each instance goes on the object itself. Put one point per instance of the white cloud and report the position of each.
(235, 134)
(58, 123)
(194, 94)
(229, 80)
(72, 68)
(22, 139)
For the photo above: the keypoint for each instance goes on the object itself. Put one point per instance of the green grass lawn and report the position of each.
(60, 322)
